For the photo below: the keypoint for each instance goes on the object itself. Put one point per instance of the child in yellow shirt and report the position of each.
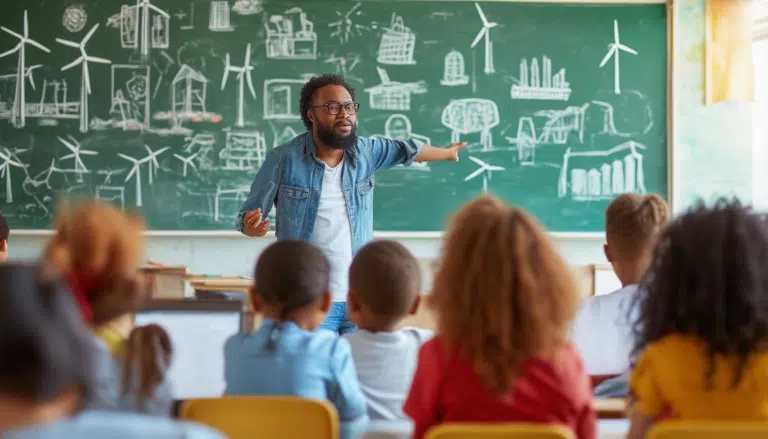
(703, 321)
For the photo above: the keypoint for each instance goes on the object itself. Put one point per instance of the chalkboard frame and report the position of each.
(570, 236)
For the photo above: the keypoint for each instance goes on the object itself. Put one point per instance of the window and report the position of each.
(760, 113)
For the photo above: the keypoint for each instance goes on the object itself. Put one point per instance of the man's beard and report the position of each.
(330, 139)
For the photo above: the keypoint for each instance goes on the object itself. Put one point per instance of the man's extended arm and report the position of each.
(263, 189)
(386, 153)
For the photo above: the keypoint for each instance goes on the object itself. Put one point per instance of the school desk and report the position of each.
(611, 408)
(165, 282)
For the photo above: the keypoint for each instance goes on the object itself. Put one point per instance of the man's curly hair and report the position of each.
(315, 84)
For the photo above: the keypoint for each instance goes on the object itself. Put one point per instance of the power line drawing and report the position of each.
(602, 175)
(5, 171)
(485, 34)
(150, 159)
(243, 76)
(248, 7)
(142, 26)
(471, 115)
(187, 161)
(74, 18)
(453, 70)
(281, 98)
(613, 51)
(393, 95)
(18, 114)
(79, 167)
(85, 78)
(545, 86)
(219, 19)
(346, 27)
(397, 44)
(485, 170)
(291, 36)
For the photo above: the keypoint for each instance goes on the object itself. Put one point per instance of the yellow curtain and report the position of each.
(729, 72)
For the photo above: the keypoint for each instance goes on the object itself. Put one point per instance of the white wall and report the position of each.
(760, 122)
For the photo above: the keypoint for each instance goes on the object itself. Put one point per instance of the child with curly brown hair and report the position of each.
(504, 300)
(97, 248)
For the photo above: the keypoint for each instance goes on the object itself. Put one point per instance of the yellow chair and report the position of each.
(273, 417)
(499, 431)
(709, 430)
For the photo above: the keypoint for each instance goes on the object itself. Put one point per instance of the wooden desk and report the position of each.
(165, 282)
(611, 408)
(228, 283)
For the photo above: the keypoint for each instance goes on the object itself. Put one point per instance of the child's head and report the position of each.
(502, 294)
(708, 279)
(292, 283)
(632, 223)
(45, 352)
(5, 230)
(384, 283)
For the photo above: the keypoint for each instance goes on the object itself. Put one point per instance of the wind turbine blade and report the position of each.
(250, 84)
(130, 174)
(608, 55)
(479, 37)
(88, 152)
(74, 63)
(67, 157)
(26, 25)
(129, 158)
(482, 15)
(68, 43)
(39, 46)
(616, 31)
(12, 51)
(179, 157)
(474, 174)
(160, 151)
(89, 34)
(193, 155)
(477, 160)
(490, 25)
(4, 157)
(5, 29)
(14, 163)
(67, 144)
(627, 49)
(494, 168)
(100, 60)
(226, 72)
(32, 80)
(191, 163)
(158, 10)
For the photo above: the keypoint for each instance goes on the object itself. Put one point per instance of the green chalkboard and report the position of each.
(167, 119)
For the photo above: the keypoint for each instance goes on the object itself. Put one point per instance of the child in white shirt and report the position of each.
(384, 283)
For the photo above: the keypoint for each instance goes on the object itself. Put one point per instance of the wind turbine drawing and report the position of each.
(243, 75)
(19, 113)
(5, 170)
(613, 51)
(145, 6)
(85, 82)
(187, 161)
(74, 146)
(485, 32)
(484, 169)
(136, 169)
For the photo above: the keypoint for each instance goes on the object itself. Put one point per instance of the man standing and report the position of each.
(322, 183)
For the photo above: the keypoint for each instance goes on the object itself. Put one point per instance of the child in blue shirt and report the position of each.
(286, 356)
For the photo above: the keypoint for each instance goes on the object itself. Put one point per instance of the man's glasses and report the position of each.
(334, 108)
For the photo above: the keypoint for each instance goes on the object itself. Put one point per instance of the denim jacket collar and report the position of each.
(310, 148)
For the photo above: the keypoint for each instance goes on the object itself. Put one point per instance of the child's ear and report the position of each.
(255, 298)
(353, 302)
(607, 251)
(415, 306)
(325, 301)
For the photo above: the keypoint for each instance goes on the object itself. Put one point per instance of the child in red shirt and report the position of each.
(504, 300)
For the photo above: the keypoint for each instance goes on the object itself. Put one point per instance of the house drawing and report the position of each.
(453, 69)
(291, 36)
(397, 43)
(602, 175)
(188, 91)
(545, 86)
(244, 151)
(281, 98)
(393, 95)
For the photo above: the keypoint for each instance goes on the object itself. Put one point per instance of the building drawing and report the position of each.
(244, 151)
(602, 175)
(219, 19)
(291, 36)
(143, 26)
(540, 86)
(231, 197)
(112, 194)
(471, 115)
(130, 108)
(393, 95)
(453, 69)
(281, 97)
(188, 91)
(397, 43)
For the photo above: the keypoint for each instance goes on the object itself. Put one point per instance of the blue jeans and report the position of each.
(337, 319)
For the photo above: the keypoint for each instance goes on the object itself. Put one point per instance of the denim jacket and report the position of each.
(291, 177)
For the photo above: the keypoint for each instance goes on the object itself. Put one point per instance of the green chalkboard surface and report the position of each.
(170, 105)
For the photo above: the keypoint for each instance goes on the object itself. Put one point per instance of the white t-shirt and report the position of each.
(333, 232)
(385, 363)
(602, 332)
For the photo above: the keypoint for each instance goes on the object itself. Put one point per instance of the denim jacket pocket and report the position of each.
(291, 205)
(364, 191)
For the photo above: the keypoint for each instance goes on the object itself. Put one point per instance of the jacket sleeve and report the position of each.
(264, 188)
(386, 153)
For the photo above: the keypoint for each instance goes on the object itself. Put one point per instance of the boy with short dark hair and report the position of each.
(384, 284)
(5, 230)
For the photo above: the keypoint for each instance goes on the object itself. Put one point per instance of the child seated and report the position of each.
(504, 300)
(286, 356)
(384, 283)
(602, 330)
(97, 249)
(46, 369)
(703, 321)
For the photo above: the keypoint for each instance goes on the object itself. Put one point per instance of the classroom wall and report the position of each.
(713, 156)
